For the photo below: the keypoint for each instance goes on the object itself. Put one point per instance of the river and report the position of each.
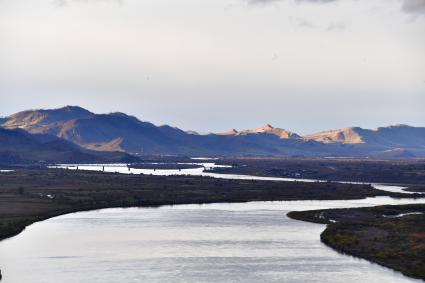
(240, 242)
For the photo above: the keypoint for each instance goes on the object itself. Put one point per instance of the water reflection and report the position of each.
(241, 242)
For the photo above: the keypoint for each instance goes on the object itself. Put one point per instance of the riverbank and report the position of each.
(410, 172)
(28, 196)
(392, 236)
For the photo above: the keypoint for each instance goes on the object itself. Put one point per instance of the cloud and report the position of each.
(261, 2)
(65, 3)
(413, 6)
(315, 1)
(336, 27)
(408, 6)
(305, 24)
(264, 2)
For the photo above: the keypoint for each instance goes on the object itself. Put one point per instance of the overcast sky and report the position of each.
(212, 65)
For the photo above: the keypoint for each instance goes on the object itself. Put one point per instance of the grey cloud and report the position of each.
(315, 1)
(305, 24)
(297, 1)
(65, 3)
(413, 6)
(336, 27)
(408, 6)
(261, 2)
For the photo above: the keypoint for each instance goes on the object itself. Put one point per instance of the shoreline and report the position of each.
(392, 236)
(398, 172)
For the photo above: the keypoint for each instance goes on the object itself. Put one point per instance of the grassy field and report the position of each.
(392, 236)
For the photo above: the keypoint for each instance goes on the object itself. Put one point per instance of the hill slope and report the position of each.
(266, 129)
(18, 146)
(45, 121)
(399, 140)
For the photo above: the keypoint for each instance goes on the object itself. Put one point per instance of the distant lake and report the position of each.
(241, 242)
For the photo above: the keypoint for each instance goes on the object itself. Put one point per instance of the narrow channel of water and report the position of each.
(201, 171)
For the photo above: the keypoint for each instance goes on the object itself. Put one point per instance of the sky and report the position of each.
(214, 65)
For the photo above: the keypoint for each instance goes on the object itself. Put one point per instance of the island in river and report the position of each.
(391, 235)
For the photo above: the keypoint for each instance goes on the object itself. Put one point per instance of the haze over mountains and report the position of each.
(120, 132)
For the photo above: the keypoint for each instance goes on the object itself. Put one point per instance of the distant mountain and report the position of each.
(266, 129)
(121, 132)
(45, 121)
(392, 136)
(18, 146)
(124, 133)
(345, 136)
(105, 132)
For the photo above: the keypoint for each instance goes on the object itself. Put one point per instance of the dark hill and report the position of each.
(18, 146)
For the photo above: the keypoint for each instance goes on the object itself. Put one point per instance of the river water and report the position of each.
(240, 242)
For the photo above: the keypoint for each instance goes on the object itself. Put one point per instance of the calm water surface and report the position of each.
(243, 242)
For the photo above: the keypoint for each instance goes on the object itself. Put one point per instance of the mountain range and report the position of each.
(20, 147)
(118, 132)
